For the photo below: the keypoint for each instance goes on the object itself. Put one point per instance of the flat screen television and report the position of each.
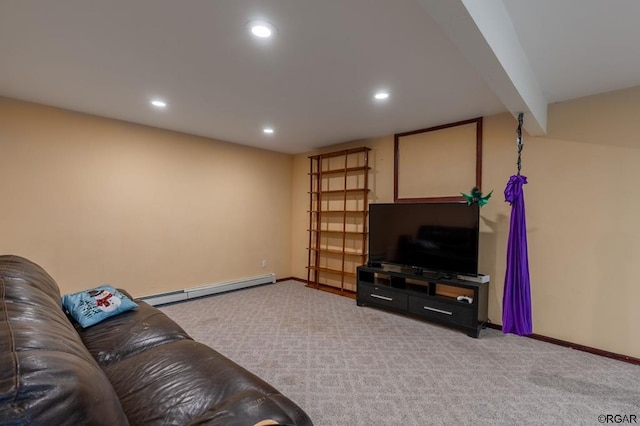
(438, 237)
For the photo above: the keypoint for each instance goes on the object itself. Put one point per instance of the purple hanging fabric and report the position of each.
(516, 300)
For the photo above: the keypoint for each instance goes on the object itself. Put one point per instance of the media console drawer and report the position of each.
(382, 296)
(450, 312)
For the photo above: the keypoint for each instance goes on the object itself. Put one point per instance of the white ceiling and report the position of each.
(314, 81)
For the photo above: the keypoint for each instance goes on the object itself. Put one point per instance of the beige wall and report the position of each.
(98, 201)
(582, 208)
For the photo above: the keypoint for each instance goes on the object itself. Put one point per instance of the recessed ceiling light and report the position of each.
(261, 29)
(381, 95)
(158, 103)
(268, 130)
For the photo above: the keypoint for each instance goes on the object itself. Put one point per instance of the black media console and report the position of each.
(428, 295)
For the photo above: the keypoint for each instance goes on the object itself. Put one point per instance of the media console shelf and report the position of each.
(428, 295)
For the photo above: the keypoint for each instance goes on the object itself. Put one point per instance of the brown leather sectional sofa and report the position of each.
(137, 368)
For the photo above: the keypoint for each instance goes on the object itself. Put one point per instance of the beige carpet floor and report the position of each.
(350, 365)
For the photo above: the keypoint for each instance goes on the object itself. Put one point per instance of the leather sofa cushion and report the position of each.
(55, 388)
(130, 333)
(185, 382)
(47, 376)
(163, 377)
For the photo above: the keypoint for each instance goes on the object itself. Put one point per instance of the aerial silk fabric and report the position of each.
(516, 300)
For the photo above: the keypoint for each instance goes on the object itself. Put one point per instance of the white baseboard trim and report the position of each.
(207, 290)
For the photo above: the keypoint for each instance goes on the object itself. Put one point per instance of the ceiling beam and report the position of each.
(485, 35)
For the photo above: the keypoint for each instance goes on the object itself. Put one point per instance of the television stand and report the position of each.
(432, 296)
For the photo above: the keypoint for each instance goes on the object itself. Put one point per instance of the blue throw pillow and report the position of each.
(89, 307)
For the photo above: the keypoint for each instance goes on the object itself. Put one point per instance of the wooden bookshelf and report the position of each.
(338, 209)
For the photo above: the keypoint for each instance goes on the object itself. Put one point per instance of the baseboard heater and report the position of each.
(207, 290)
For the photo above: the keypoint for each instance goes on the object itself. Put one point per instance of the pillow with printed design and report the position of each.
(89, 307)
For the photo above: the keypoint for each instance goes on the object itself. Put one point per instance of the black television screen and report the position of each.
(440, 237)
